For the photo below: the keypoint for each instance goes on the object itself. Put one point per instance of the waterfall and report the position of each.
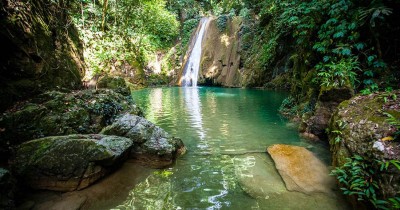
(191, 70)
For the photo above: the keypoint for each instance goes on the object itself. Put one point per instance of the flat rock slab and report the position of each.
(257, 175)
(301, 170)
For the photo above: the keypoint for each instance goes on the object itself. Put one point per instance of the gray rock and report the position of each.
(55, 113)
(67, 163)
(152, 145)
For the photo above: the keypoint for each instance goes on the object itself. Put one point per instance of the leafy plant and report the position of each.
(288, 106)
(338, 74)
(359, 177)
(395, 122)
(221, 22)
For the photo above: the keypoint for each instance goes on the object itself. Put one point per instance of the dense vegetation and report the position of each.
(122, 37)
(305, 46)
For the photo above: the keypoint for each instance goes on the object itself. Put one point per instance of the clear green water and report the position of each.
(225, 131)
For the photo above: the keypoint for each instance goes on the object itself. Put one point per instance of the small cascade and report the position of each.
(191, 70)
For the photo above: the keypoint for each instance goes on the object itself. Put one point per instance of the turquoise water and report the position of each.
(226, 132)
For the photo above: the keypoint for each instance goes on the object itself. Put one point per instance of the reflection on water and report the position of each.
(193, 109)
(226, 132)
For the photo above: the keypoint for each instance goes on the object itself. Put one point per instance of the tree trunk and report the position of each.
(103, 21)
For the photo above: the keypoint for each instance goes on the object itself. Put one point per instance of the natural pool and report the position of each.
(226, 132)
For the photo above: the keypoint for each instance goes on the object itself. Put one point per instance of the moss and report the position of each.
(56, 113)
(39, 53)
(360, 123)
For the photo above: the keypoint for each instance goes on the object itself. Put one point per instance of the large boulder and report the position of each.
(152, 145)
(329, 98)
(257, 176)
(361, 127)
(301, 170)
(67, 163)
(40, 49)
(55, 113)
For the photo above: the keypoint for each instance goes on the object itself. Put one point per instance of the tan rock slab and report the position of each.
(301, 170)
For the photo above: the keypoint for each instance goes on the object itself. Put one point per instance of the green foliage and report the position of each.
(288, 106)
(188, 27)
(326, 35)
(395, 121)
(338, 74)
(338, 132)
(221, 22)
(133, 32)
(359, 177)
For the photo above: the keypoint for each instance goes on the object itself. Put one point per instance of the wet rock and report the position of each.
(114, 83)
(152, 145)
(360, 127)
(301, 170)
(257, 176)
(220, 60)
(328, 100)
(67, 163)
(7, 189)
(55, 113)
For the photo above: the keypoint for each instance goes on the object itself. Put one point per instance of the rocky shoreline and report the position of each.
(83, 137)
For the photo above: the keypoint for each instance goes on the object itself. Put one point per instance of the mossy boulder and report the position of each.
(152, 145)
(56, 113)
(360, 127)
(115, 83)
(67, 163)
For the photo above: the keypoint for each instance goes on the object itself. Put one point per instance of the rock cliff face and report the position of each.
(314, 126)
(220, 56)
(221, 59)
(40, 50)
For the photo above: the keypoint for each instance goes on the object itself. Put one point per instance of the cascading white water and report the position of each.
(191, 71)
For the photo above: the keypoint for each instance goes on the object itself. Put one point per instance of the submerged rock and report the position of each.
(301, 170)
(361, 127)
(257, 176)
(67, 163)
(152, 145)
(55, 113)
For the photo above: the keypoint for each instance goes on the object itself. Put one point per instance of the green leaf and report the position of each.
(339, 34)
